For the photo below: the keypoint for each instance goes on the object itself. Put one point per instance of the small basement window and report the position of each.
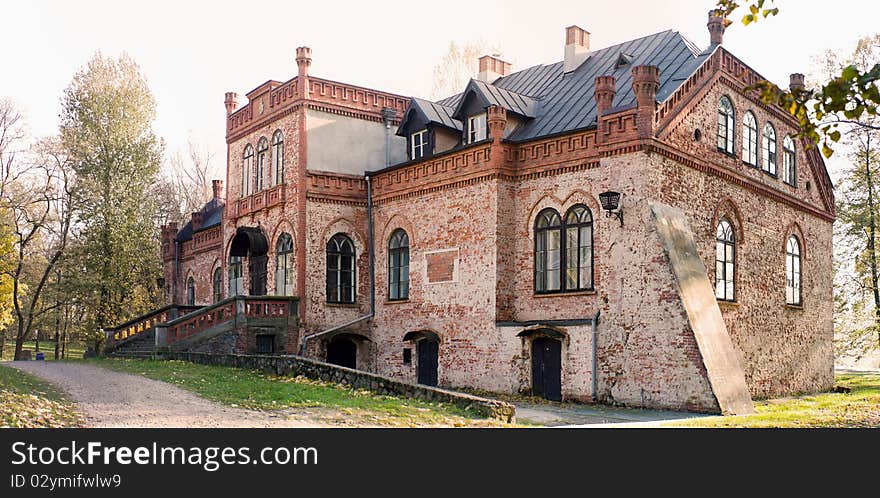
(476, 128)
(407, 356)
(265, 344)
(418, 144)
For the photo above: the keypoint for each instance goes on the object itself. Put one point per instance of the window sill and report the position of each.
(565, 294)
(794, 307)
(771, 175)
(396, 301)
(728, 154)
(342, 305)
(728, 304)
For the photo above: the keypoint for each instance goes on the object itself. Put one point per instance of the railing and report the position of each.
(226, 311)
(146, 322)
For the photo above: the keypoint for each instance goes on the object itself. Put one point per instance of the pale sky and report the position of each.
(192, 52)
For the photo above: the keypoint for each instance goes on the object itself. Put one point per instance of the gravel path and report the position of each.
(114, 399)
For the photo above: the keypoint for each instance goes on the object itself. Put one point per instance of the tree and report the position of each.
(851, 97)
(186, 186)
(106, 128)
(457, 67)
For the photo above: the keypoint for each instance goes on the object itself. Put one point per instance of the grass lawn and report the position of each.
(74, 351)
(327, 403)
(26, 401)
(858, 408)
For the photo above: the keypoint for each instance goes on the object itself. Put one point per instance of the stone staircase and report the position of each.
(142, 345)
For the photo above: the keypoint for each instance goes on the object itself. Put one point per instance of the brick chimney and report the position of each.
(604, 90)
(169, 232)
(577, 48)
(303, 61)
(496, 120)
(231, 102)
(197, 218)
(492, 68)
(217, 187)
(716, 26)
(646, 83)
(796, 83)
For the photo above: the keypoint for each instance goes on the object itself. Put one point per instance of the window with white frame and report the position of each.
(793, 272)
(418, 144)
(750, 139)
(768, 149)
(789, 161)
(476, 128)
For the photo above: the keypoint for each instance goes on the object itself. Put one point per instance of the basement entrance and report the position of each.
(427, 351)
(547, 368)
(343, 352)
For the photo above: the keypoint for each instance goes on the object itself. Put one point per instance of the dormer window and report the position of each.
(476, 129)
(418, 144)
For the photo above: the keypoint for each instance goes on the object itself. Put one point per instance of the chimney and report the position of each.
(231, 102)
(496, 119)
(646, 82)
(577, 48)
(492, 68)
(716, 26)
(796, 83)
(217, 186)
(303, 61)
(604, 90)
(197, 218)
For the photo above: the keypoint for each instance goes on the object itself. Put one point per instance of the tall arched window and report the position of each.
(725, 262)
(793, 271)
(217, 281)
(340, 269)
(725, 125)
(284, 265)
(572, 259)
(578, 249)
(548, 251)
(750, 139)
(278, 157)
(789, 161)
(262, 151)
(398, 265)
(236, 283)
(247, 168)
(768, 146)
(190, 291)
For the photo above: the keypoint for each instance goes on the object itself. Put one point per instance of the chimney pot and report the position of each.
(716, 26)
(577, 47)
(604, 90)
(492, 68)
(303, 60)
(646, 83)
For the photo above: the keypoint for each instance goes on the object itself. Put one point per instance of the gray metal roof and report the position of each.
(495, 95)
(562, 102)
(437, 113)
(213, 215)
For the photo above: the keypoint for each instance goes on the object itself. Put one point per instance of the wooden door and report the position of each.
(547, 368)
(428, 353)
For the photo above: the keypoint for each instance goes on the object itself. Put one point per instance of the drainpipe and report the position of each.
(595, 326)
(176, 271)
(387, 115)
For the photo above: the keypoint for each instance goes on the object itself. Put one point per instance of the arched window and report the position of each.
(236, 283)
(578, 249)
(789, 161)
(247, 168)
(572, 259)
(750, 139)
(725, 262)
(190, 291)
(278, 157)
(725, 126)
(793, 271)
(284, 265)
(217, 281)
(548, 251)
(340, 269)
(768, 146)
(398, 265)
(262, 151)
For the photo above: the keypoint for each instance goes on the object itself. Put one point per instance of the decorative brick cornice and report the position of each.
(263, 199)
(201, 242)
(337, 188)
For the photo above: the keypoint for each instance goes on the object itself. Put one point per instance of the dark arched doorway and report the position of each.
(547, 368)
(252, 244)
(342, 351)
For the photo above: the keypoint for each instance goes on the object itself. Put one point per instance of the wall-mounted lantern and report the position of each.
(611, 203)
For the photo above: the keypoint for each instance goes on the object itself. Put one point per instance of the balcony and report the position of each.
(264, 199)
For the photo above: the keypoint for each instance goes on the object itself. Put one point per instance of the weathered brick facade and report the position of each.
(469, 213)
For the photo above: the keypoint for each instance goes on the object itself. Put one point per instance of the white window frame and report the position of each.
(476, 128)
(422, 136)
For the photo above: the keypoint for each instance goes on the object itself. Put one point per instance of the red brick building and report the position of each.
(465, 242)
